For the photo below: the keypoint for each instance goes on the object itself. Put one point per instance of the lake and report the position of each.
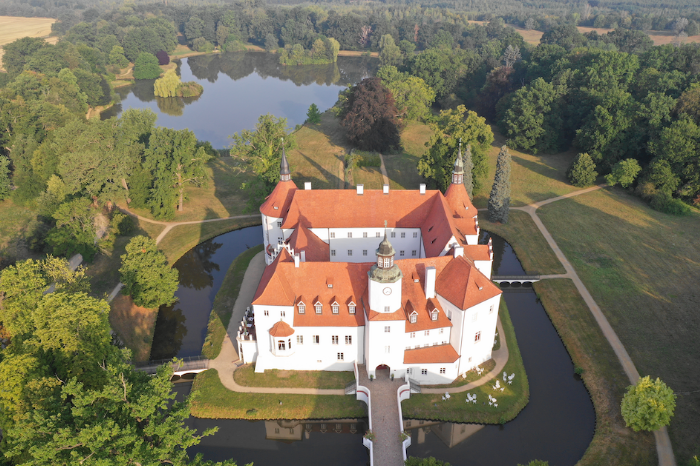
(241, 86)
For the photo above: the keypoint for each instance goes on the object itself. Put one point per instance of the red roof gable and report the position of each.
(461, 283)
(315, 249)
(431, 355)
(458, 199)
(277, 203)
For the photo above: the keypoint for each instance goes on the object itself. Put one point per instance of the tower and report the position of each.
(385, 280)
(458, 171)
(284, 166)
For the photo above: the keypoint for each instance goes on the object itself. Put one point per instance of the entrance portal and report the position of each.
(382, 372)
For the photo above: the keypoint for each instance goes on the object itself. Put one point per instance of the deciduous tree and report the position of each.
(146, 274)
(582, 172)
(499, 200)
(5, 183)
(370, 116)
(389, 52)
(146, 67)
(624, 173)
(648, 405)
(412, 96)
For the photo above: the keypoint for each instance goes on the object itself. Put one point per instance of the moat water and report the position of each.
(557, 425)
(241, 86)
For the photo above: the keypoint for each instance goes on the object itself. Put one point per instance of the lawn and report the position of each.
(214, 401)
(134, 325)
(182, 238)
(320, 153)
(223, 303)
(402, 168)
(223, 197)
(642, 268)
(470, 376)
(613, 444)
(529, 245)
(510, 402)
(370, 177)
(13, 28)
(246, 376)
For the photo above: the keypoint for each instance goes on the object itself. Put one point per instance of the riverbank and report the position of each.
(511, 400)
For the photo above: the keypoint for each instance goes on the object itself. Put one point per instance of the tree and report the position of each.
(146, 67)
(168, 85)
(313, 116)
(413, 461)
(468, 179)
(689, 102)
(511, 55)
(582, 172)
(624, 173)
(116, 57)
(389, 52)
(163, 57)
(539, 462)
(436, 164)
(370, 116)
(75, 229)
(5, 183)
(648, 405)
(271, 42)
(565, 35)
(18, 53)
(412, 96)
(194, 28)
(499, 200)
(90, 84)
(146, 274)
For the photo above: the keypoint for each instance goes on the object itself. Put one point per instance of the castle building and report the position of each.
(382, 277)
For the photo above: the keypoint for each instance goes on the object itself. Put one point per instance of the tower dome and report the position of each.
(385, 271)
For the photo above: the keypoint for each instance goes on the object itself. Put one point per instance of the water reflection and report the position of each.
(170, 332)
(239, 87)
(197, 267)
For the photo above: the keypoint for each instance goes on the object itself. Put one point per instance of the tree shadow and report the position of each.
(332, 180)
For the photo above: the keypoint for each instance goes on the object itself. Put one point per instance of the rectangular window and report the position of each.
(377, 235)
(401, 253)
(279, 224)
(444, 342)
(387, 349)
(427, 333)
(349, 252)
(334, 339)
(387, 309)
(335, 308)
(425, 345)
(266, 313)
(318, 308)
(413, 253)
(403, 235)
(279, 241)
(300, 339)
(408, 371)
(393, 234)
(491, 309)
(291, 431)
(348, 339)
(415, 234)
(413, 334)
(424, 371)
(477, 337)
(277, 430)
(435, 343)
(315, 340)
(475, 317)
(352, 309)
(302, 309)
(417, 346)
(408, 347)
(333, 252)
(442, 370)
(349, 234)
(387, 329)
(442, 330)
(341, 357)
(282, 314)
(332, 234)
(364, 252)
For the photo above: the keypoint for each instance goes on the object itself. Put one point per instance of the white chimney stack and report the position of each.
(296, 260)
(360, 189)
(303, 256)
(429, 282)
(386, 189)
(458, 251)
(422, 188)
(307, 185)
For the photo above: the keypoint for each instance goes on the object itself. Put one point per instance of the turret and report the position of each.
(284, 166)
(458, 172)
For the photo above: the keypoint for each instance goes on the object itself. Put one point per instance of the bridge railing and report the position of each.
(186, 363)
(516, 277)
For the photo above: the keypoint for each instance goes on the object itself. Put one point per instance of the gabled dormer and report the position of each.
(318, 306)
(301, 307)
(335, 307)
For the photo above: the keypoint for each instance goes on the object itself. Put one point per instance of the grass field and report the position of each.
(223, 302)
(510, 402)
(246, 376)
(213, 400)
(13, 28)
(402, 168)
(642, 268)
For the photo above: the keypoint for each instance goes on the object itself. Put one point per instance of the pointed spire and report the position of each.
(385, 247)
(459, 164)
(284, 166)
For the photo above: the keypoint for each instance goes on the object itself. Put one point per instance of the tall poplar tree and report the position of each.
(468, 167)
(499, 201)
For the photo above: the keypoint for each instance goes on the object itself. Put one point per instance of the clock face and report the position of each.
(387, 291)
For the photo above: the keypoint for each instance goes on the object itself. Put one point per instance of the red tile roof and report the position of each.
(281, 329)
(277, 203)
(431, 355)
(478, 252)
(463, 285)
(458, 199)
(303, 239)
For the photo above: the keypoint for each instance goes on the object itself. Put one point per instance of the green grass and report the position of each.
(642, 268)
(402, 168)
(469, 377)
(528, 243)
(370, 177)
(214, 401)
(510, 402)
(246, 376)
(223, 303)
(613, 444)
(182, 238)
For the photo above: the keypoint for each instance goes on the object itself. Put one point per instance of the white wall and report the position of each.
(341, 244)
(264, 323)
(378, 300)
(422, 340)
(433, 375)
(484, 267)
(271, 233)
(378, 340)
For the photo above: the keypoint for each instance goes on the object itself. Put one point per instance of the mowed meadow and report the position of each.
(13, 28)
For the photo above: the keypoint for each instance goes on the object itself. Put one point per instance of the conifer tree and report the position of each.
(582, 172)
(499, 201)
(468, 167)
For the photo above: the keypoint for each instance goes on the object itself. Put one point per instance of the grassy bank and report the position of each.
(246, 376)
(469, 377)
(510, 402)
(134, 325)
(213, 400)
(402, 168)
(642, 268)
(532, 249)
(613, 443)
(223, 302)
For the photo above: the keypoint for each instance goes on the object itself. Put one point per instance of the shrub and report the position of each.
(200, 44)
(646, 190)
(582, 172)
(122, 224)
(146, 67)
(663, 202)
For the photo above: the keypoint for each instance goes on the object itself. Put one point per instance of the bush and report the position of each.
(646, 190)
(146, 67)
(122, 224)
(313, 116)
(368, 160)
(663, 202)
(200, 44)
(582, 172)
(413, 461)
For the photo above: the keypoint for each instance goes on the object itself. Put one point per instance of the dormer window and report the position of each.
(318, 307)
(351, 308)
(335, 308)
(413, 317)
(434, 314)
(302, 308)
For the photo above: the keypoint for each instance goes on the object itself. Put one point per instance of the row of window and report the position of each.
(427, 333)
(364, 234)
(414, 253)
(315, 339)
(425, 345)
(409, 371)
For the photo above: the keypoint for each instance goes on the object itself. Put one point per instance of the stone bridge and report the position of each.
(183, 366)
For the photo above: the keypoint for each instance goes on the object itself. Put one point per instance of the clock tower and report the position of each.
(385, 280)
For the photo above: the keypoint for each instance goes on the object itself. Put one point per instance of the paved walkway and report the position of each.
(382, 167)
(387, 447)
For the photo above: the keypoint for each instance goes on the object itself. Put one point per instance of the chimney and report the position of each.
(360, 189)
(296, 261)
(303, 256)
(386, 189)
(422, 188)
(307, 185)
(458, 251)
(429, 282)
